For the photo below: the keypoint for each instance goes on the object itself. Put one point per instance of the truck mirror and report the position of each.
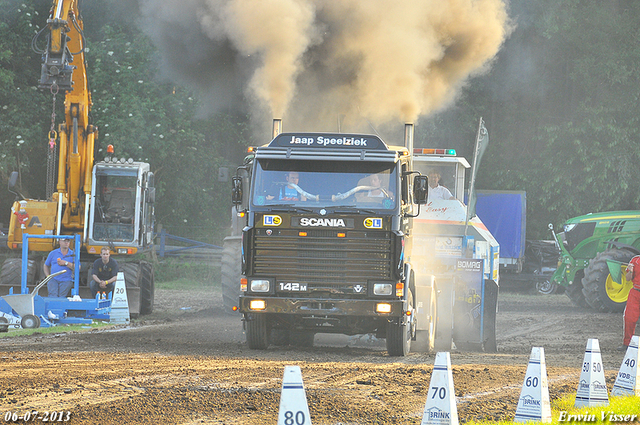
(13, 179)
(151, 195)
(236, 190)
(420, 189)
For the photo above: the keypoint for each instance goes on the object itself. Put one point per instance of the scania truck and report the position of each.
(327, 240)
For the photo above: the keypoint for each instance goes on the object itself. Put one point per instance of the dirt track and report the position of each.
(187, 363)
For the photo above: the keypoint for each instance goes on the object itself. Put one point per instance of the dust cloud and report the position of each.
(318, 61)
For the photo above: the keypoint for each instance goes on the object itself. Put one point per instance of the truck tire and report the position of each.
(11, 273)
(257, 332)
(574, 291)
(147, 287)
(399, 335)
(546, 287)
(426, 339)
(444, 321)
(599, 289)
(231, 273)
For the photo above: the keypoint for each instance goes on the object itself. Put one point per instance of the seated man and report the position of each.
(104, 274)
(288, 192)
(437, 192)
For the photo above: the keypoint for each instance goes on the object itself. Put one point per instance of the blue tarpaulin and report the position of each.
(504, 214)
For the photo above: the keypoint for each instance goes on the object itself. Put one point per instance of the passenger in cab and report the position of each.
(437, 192)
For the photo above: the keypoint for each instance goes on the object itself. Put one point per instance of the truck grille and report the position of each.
(324, 261)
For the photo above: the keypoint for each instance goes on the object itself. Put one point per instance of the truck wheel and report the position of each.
(399, 335)
(599, 288)
(147, 287)
(444, 321)
(29, 321)
(231, 273)
(574, 291)
(257, 332)
(426, 339)
(546, 287)
(12, 272)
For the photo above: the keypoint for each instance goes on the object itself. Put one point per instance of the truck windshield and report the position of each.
(370, 185)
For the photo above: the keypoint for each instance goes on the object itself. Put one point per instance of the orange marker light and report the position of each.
(303, 234)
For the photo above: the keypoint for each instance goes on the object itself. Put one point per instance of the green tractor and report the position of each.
(594, 252)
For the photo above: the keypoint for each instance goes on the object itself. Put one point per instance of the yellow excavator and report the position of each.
(108, 203)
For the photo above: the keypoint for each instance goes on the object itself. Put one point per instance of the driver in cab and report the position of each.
(288, 192)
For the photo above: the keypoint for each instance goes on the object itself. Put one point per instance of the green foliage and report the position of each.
(170, 271)
(560, 105)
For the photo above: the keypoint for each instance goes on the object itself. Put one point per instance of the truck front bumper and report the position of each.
(325, 307)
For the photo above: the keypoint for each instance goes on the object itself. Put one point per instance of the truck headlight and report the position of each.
(383, 308)
(260, 285)
(257, 305)
(382, 289)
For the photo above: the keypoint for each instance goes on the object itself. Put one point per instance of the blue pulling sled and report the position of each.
(30, 310)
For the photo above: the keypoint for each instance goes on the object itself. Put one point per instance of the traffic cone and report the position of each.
(628, 379)
(293, 400)
(592, 388)
(119, 302)
(534, 402)
(440, 407)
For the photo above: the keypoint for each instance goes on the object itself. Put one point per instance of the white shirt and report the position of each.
(439, 192)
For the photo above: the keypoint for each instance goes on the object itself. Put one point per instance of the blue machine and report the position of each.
(35, 311)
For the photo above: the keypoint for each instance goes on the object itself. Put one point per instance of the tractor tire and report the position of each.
(257, 332)
(599, 289)
(11, 273)
(399, 335)
(231, 273)
(147, 287)
(574, 291)
(132, 277)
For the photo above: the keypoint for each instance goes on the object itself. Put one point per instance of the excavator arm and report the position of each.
(64, 68)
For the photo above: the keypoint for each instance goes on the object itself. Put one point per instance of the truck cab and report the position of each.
(329, 219)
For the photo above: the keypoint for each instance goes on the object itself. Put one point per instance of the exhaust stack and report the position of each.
(408, 137)
(277, 127)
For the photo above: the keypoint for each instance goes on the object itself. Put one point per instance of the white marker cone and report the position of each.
(534, 402)
(119, 302)
(440, 407)
(592, 388)
(293, 400)
(628, 379)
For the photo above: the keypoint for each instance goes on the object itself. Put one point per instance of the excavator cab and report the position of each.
(121, 208)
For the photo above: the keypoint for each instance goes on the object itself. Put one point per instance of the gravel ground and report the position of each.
(187, 363)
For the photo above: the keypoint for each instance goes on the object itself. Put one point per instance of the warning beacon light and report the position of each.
(432, 151)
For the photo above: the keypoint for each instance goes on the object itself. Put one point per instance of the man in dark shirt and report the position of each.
(104, 274)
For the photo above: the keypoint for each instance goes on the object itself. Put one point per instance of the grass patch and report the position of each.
(619, 410)
(178, 274)
(56, 329)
